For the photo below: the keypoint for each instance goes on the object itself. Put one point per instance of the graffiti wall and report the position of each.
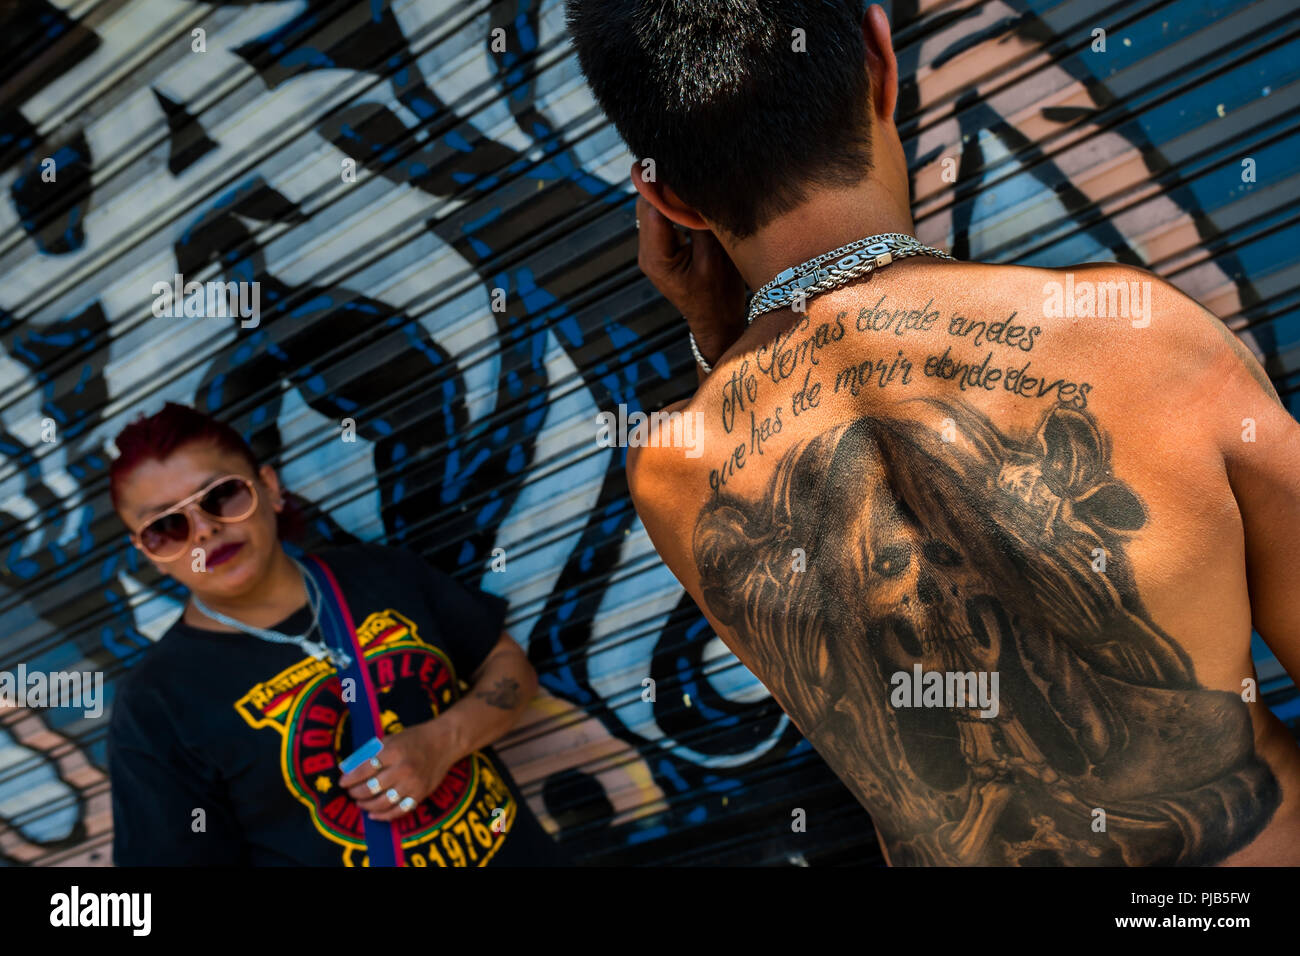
(441, 227)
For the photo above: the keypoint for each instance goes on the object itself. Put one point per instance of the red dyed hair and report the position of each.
(157, 436)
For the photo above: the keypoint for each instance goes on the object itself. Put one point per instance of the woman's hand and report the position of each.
(696, 276)
(414, 761)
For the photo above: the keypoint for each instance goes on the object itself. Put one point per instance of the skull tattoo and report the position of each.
(975, 558)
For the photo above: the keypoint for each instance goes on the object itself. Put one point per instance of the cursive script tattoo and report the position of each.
(979, 555)
(504, 694)
(799, 349)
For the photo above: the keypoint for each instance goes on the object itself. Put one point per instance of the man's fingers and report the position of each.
(657, 242)
(710, 255)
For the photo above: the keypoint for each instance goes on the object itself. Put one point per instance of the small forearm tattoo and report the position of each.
(504, 694)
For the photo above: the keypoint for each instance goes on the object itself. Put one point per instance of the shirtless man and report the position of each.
(933, 473)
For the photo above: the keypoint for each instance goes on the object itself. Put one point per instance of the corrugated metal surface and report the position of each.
(484, 166)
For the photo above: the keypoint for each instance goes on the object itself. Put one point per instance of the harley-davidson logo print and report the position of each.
(464, 822)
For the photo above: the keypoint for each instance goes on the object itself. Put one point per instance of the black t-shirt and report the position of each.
(250, 732)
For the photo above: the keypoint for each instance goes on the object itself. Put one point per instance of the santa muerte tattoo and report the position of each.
(939, 541)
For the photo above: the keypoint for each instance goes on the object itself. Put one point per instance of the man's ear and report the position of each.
(881, 62)
(665, 200)
(272, 482)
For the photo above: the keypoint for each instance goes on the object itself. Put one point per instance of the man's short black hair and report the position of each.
(738, 123)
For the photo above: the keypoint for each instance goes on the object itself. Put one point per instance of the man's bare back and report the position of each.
(930, 473)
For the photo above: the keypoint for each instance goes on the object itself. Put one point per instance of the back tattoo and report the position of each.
(983, 554)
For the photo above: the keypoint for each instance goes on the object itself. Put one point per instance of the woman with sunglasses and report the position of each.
(226, 738)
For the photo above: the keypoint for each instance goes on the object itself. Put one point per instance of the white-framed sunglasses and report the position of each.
(228, 499)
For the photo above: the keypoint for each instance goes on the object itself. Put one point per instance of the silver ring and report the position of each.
(373, 785)
(407, 803)
(375, 764)
(392, 795)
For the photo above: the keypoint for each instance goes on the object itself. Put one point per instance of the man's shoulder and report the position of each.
(1140, 333)
(1177, 333)
(654, 459)
(1107, 290)
(667, 474)
(1130, 318)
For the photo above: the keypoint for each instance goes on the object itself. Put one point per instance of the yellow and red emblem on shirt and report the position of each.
(464, 822)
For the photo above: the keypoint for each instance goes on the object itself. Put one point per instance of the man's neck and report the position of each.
(829, 219)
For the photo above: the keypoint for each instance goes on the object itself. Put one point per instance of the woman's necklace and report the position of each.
(318, 650)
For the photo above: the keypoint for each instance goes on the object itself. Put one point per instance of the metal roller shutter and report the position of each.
(481, 163)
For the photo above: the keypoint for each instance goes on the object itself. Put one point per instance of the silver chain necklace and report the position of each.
(317, 649)
(829, 271)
